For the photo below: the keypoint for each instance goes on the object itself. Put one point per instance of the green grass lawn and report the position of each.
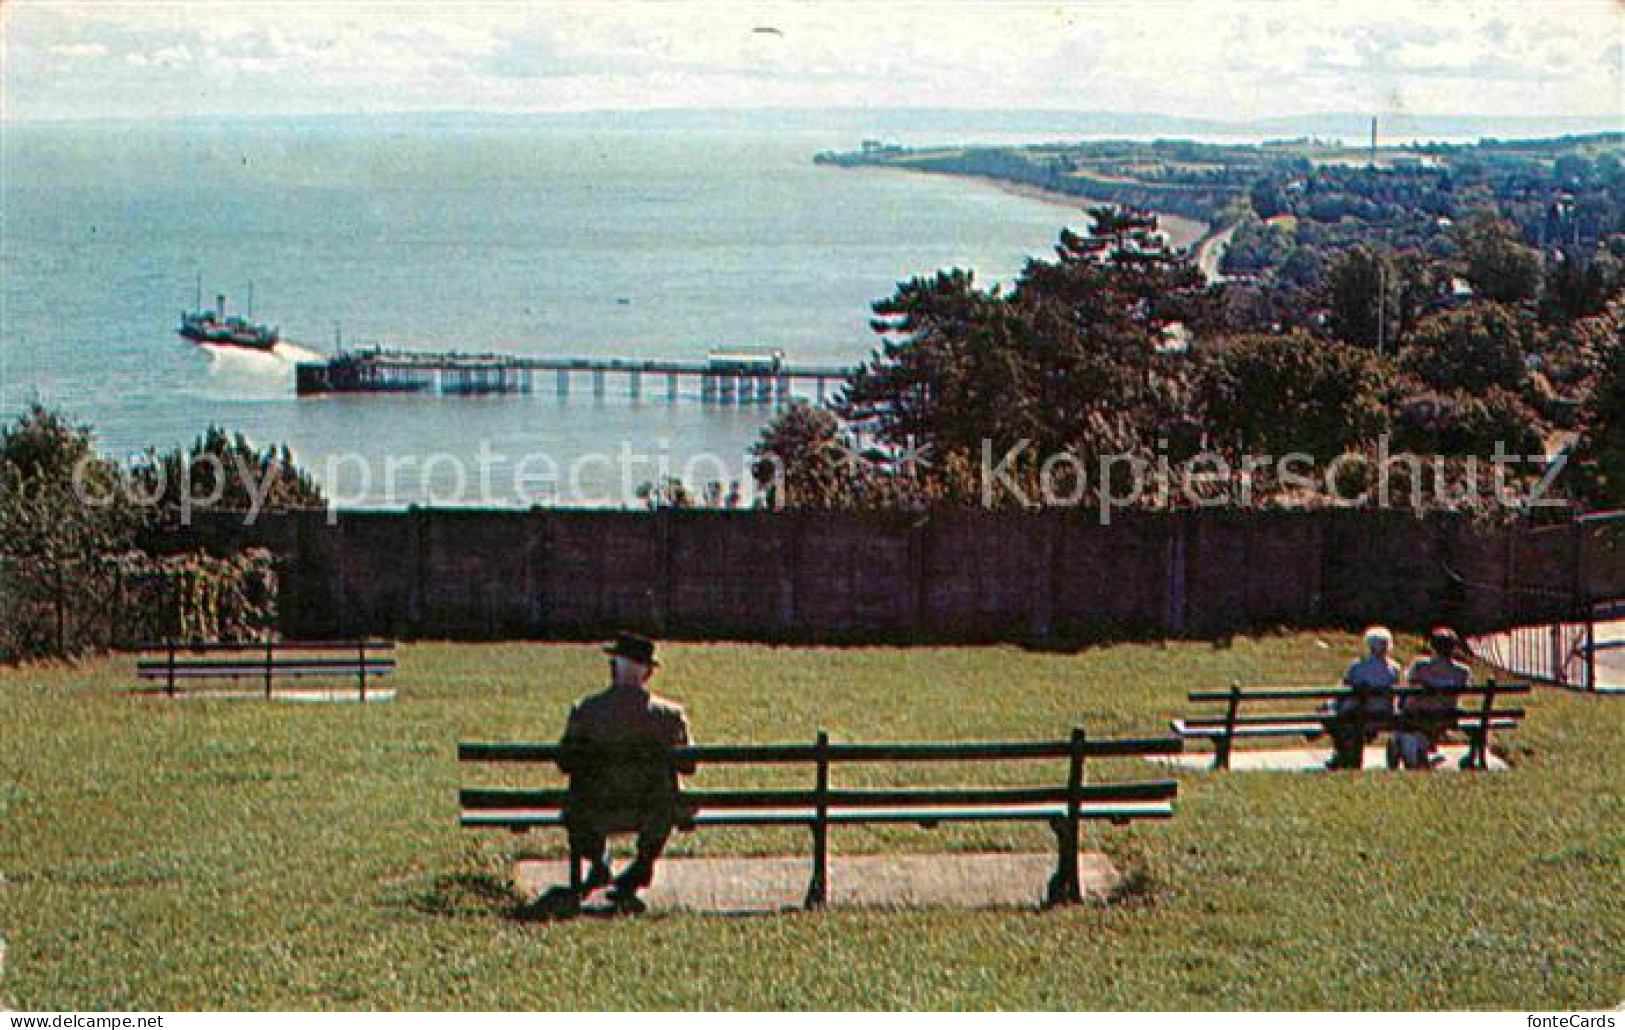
(162, 855)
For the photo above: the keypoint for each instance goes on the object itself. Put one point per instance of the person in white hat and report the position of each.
(1358, 715)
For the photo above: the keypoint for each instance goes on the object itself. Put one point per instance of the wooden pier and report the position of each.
(724, 377)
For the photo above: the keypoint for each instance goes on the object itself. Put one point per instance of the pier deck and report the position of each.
(728, 377)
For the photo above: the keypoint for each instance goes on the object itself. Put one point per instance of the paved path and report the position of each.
(1210, 252)
(1309, 759)
(778, 884)
(1611, 659)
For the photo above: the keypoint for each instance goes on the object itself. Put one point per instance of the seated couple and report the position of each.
(1419, 721)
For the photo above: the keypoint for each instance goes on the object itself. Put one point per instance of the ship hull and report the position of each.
(226, 340)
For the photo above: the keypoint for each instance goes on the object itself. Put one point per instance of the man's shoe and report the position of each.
(626, 901)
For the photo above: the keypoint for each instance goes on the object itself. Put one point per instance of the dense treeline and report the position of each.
(1565, 203)
(1101, 363)
(83, 564)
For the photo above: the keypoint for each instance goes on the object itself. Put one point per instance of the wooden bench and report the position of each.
(1476, 720)
(172, 663)
(1062, 805)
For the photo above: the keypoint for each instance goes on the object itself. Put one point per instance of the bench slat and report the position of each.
(160, 664)
(1317, 722)
(722, 754)
(1328, 693)
(1218, 732)
(476, 798)
(182, 672)
(543, 817)
(277, 645)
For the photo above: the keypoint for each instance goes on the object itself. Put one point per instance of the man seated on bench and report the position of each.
(1357, 718)
(623, 795)
(1426, 717)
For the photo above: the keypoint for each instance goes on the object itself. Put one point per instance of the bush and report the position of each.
(72, 578)
(1287, 394)
(1464, 424)
(64, 607)
(1470, 349)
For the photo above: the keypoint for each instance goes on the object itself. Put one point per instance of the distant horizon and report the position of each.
(1327, 124)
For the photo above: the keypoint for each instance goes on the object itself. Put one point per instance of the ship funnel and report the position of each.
(220, 305)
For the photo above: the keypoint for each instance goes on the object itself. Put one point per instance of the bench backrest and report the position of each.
(173, 661)
(822, 754)
(1489, 688)
(1476, 712)
(1474, 701)
(259, 646)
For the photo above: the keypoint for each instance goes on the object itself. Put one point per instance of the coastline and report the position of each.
(1184, 232)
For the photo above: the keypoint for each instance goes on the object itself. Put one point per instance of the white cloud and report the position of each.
(1251, 58)
(78, 51)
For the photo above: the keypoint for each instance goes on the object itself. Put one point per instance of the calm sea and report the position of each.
(537, 241)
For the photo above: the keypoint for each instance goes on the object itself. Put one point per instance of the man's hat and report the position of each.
(630, 645)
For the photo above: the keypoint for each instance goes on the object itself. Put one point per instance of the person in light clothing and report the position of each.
(1358, 715)
(1427, 716)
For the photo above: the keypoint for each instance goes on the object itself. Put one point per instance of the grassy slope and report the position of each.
(239, 854)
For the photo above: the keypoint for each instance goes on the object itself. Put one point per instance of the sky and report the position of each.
(1232, 61)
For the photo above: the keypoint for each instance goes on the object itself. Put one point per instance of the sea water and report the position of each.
(525, 240)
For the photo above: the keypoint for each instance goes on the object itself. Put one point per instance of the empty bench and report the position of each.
(1062, 805)
(1476, 716)
(172, 663)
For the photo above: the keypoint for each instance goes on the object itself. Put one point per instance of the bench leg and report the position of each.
(575, 870)
(1064, 888)
(818, 889)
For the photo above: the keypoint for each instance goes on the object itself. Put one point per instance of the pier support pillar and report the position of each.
(634, 383)
(597, 382)
(820, 389)
(564, 383)
(671, 386)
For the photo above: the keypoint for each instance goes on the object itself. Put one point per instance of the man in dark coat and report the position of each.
(626, 792)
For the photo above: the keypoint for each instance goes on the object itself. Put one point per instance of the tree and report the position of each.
(58, 499)
(803, 460)
(922, 361)
(1494, 259)
(61, 507)
(73, 576)
(225, 472)
(1364, 287)
(1601, 447)
(1287, 394)
(1579, 288)
(1469, 349)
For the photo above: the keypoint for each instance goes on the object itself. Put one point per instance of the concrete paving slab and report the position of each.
(740, 886)
(290, 694)
(1310, 759)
